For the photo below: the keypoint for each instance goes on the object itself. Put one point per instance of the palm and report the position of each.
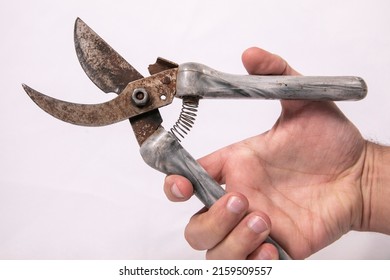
(307, 164)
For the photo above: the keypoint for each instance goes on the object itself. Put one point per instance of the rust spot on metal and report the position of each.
(104, 66)
(160, 65)
(145, 125)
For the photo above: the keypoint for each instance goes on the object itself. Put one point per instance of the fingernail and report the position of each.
(265, 255)
(257, 224)
(235, 205)
(176, 191)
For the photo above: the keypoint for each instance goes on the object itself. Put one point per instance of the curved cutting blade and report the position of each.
(103, 65)
(80, 114)
(160, 90)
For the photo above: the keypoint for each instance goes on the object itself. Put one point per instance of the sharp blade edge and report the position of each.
(102, 114)
(103, 65)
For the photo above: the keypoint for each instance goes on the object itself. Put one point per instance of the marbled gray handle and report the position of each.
(194, 79)
(163, 152)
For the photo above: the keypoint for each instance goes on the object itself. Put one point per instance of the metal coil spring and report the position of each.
(186, 118)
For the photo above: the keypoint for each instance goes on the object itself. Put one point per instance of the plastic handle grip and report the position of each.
(197, 80)
(163, 152)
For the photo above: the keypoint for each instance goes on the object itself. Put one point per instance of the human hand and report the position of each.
(303, 174)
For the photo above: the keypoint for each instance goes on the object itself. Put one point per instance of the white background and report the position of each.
(69, 192)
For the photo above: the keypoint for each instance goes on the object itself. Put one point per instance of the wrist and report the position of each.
(375, 186)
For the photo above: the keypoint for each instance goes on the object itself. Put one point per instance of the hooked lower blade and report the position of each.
(79, 114)
(159, 90)
(103, 65)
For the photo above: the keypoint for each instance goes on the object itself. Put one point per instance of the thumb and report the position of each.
(261, 62)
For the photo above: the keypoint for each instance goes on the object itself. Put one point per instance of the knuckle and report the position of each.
(204, 232)
(194, 240)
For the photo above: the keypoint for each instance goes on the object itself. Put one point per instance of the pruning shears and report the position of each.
(140, 97)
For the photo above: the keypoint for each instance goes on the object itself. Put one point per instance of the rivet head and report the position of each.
(166, 80)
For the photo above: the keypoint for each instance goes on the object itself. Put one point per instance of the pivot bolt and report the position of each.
(140, 97)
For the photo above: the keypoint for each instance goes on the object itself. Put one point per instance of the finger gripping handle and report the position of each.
(163, 152)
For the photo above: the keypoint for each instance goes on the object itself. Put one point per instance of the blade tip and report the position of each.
(78, 21)
(32, 93)
(26, 88)
(79, 24)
